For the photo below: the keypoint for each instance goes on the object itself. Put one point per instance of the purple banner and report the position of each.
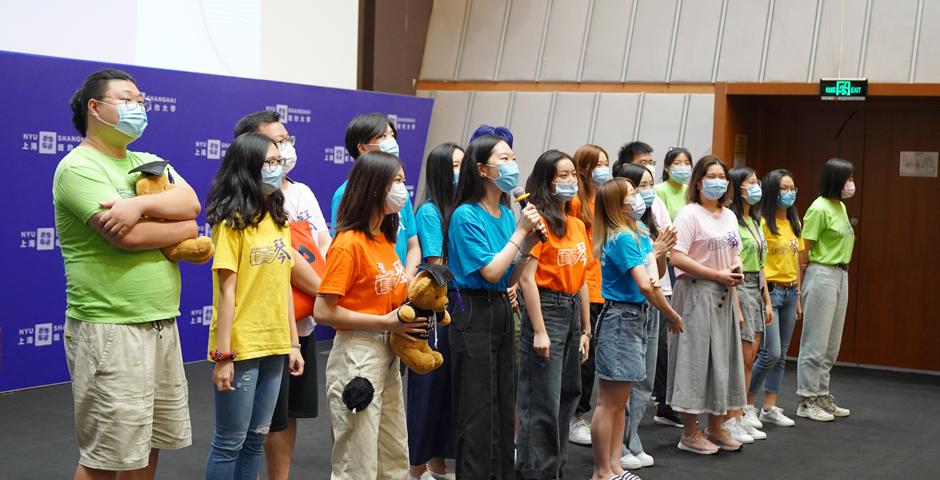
(191, 123)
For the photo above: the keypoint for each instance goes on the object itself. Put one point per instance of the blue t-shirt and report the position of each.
(622, 252)
(430, 231)
(475, 237)
(406, 222)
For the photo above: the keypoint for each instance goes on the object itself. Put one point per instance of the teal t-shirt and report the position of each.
(826, 223)
(430, 230)
(623, 252)
(474, 238)
(104, 283)
(753, 248)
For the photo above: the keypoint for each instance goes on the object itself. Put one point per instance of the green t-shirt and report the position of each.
(673, 197)
(827, 224)
(105, 284)
(753, 249)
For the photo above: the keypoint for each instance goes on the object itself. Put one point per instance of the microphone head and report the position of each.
(518, 194)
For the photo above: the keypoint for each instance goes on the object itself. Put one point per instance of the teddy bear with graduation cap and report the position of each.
(156, 178)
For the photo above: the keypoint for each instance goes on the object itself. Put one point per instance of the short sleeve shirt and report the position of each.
(563, 261)
(104, 283)
(261, 259)
(710, 238)
(826, 223)
(623, 252)
(430, 229)
(366, 274)
(475, 237)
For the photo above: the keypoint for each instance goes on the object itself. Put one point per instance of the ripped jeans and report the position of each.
(243, 418)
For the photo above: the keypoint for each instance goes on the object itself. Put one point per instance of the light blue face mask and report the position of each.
(714, 188)
(680, 174)
(638, 207)
(131, 121)
(389, 145)
(508, 176)
(456, 177)
(565, 191)
(648, 195)
(600, 175)
(754, 194)
(271, 179)
(786, 199)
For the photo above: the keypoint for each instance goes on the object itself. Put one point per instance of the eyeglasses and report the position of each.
(289, 139)
(273, 162)
(132, 104)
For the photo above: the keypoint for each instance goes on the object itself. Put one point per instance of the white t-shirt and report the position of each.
(661, 217)
(301, 205)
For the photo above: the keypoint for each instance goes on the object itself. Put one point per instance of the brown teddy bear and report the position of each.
(427, 298)
(156, 179)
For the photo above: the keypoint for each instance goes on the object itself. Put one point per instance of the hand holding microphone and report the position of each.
(530, 215)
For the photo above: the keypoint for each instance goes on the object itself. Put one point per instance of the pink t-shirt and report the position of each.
(711, 239)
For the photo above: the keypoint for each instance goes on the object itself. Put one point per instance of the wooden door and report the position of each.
(801, 137)
(896, 322)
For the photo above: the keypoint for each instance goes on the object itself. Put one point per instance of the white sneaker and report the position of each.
(630, 462)
(736, 431)
(645, 459)
(750, 414)
(809, 409)
(750, 430)
(579, 431)
(775, 416)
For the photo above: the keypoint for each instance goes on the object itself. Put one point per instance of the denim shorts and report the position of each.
(621, 342)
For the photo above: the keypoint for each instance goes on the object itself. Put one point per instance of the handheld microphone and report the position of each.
(520, 196)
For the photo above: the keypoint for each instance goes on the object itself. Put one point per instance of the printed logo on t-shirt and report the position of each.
(730, 240)
(388, 279)
(790, 248)
(301, 216)
(268, 253)
(572, 255)
(845, 230)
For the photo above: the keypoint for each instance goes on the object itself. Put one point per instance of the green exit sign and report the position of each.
(843, 88)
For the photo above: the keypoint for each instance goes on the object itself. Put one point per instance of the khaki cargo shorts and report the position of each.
(129, 390)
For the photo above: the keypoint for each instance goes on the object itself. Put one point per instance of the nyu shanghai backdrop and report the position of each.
(191, 123)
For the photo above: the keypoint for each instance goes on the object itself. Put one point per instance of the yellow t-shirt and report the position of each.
(782, 252)
(260, 257)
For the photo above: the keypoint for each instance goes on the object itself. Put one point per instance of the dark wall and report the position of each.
(391, 43)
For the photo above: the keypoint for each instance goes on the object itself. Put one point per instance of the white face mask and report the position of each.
(397, 196)
(287, 152)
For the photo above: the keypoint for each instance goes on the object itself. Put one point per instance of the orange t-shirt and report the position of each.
(366, 274)
(593, 266)
(563, 261)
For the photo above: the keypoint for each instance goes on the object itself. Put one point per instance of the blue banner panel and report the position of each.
(192, 119)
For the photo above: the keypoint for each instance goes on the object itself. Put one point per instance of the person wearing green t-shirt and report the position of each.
(754, 311)
(121, 338)
(829, 239)
(677, 168)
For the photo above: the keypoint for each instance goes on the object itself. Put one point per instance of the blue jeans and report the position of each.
(641, 392)
(243, 418)
(825, 300)
(771, 360)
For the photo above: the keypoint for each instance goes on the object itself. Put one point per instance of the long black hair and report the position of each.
(736, 178)
(439, 182)
(768, 207)
(539, 186)
(470, 187)
(634, 172)
(834, 175)
(235, 197)
(369, 182)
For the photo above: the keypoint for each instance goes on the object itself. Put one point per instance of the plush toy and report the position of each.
(155, 179)
(427, 298)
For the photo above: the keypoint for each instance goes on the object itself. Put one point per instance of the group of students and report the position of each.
(669, 291)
